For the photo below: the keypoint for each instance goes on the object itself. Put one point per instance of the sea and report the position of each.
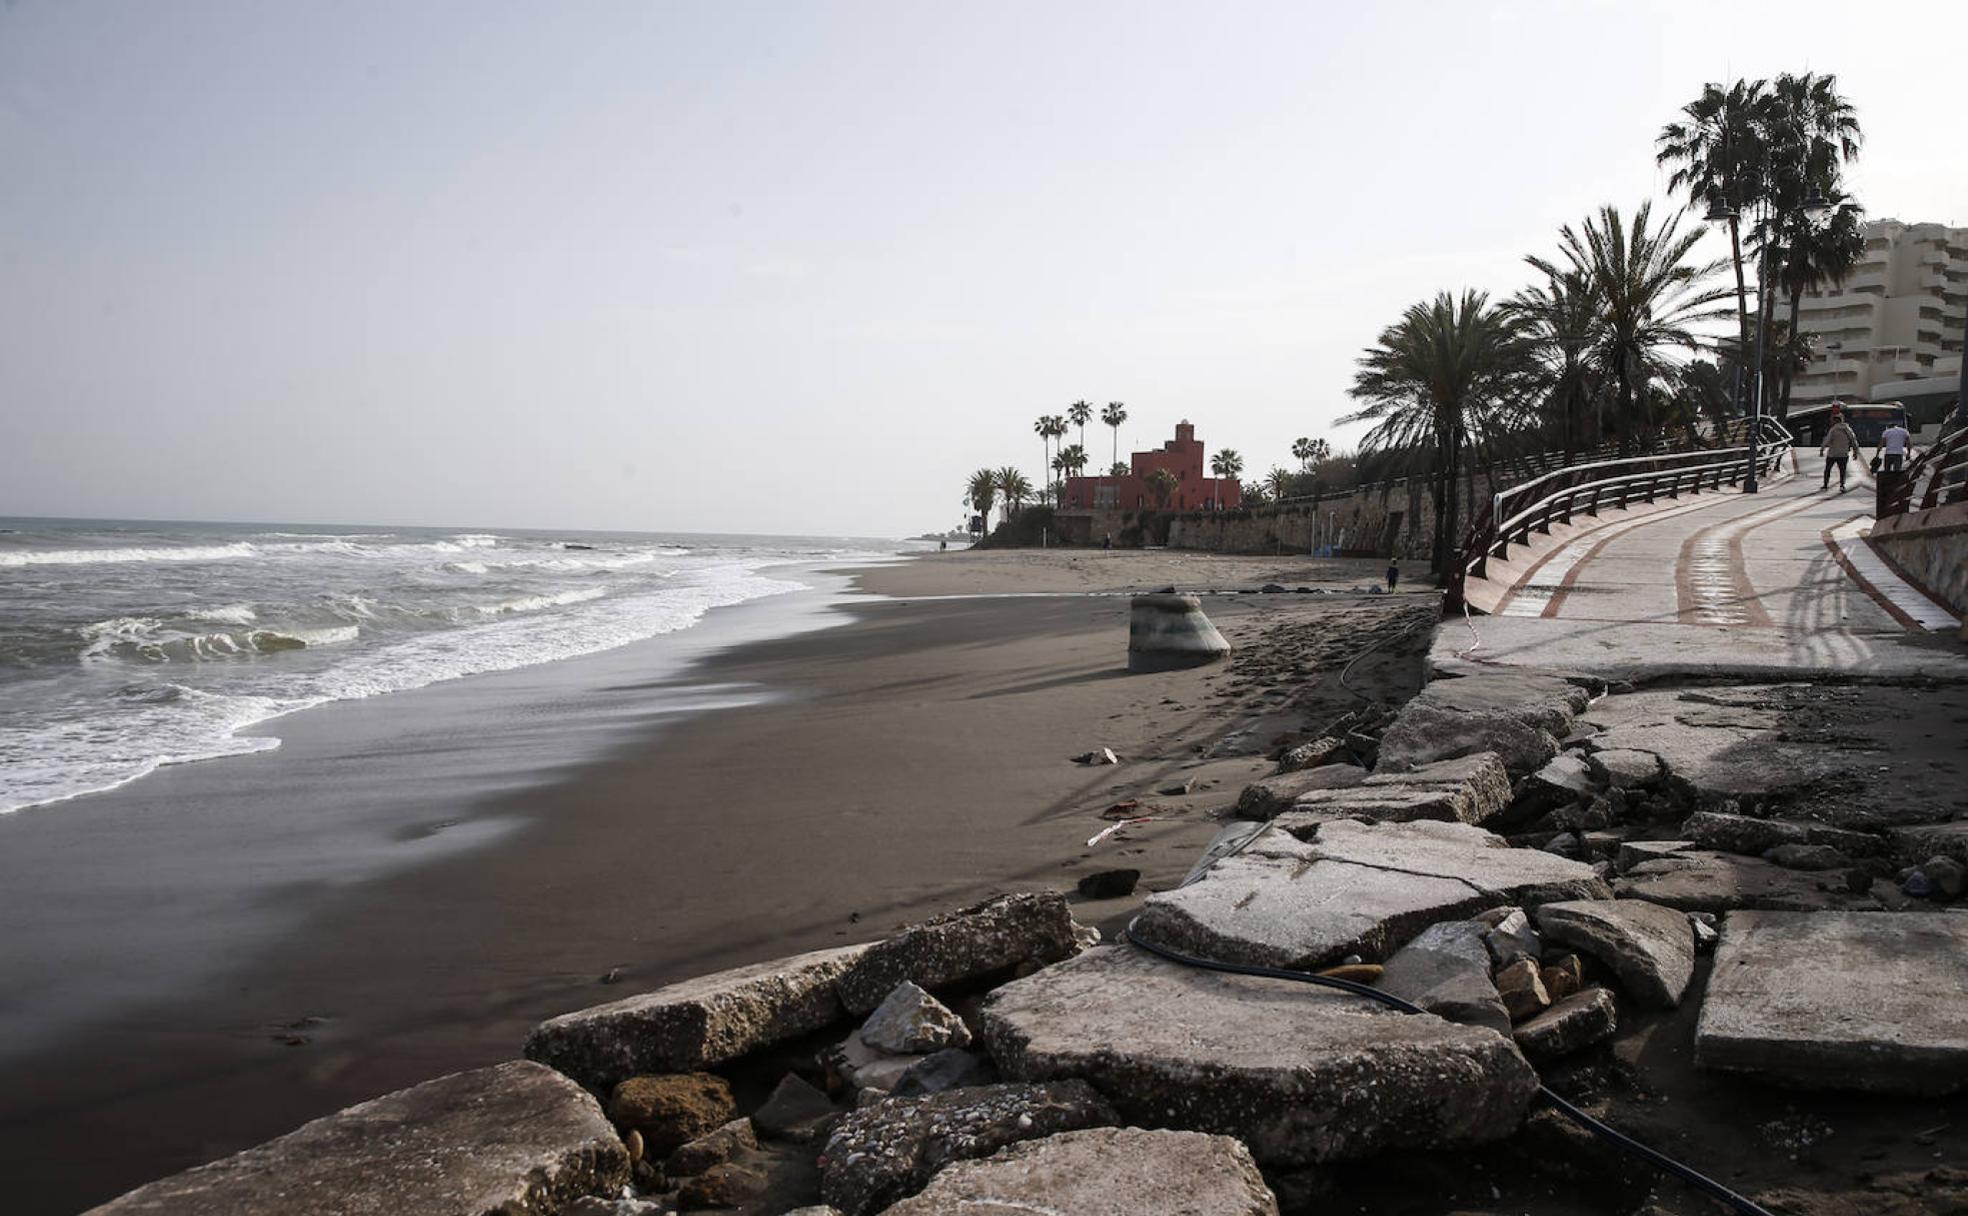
(129, 645)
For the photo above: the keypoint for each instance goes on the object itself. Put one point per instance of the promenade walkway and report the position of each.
(1779, 583)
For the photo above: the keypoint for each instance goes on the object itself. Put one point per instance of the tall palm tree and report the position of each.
(982, 491)
(1650, 297)
(1114, 415)
(1302, 452)
(1560, 318)
(1276, 481)
(1081, 413)
(1043, 428)
(1225, 464)
(1162, 485)
(1717, 154)
(1056, 427)
(1448, 369)
(1014, 488)
(1818, 255)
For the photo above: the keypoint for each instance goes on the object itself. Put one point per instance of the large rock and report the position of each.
(1471, 789)
(697, 1023)
(1648, 946)
(1266, 796)
(1564, 781)
(1353, 889)
(516, 1139)
(1755, 837)
(1446, 970)
(887, 1151)
(1840, 1000)
(1916, 844)
(1627, 768)
(911, 1021)
(999, 932)
(1545, 702)
(1701, 881)
(1425, 733)
(1578, 1021)
(673, 1109)
(1103, 1172)
(1300, 1073)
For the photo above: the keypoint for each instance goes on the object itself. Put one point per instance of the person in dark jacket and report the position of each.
(1393, 572)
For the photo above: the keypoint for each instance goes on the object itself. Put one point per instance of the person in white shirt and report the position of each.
(1893, 445)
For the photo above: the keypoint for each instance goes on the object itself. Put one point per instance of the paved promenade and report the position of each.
(1776, 583)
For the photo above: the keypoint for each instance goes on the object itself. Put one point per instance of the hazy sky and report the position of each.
(797, 267)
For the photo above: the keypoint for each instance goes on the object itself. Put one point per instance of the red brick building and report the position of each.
(1195, 489)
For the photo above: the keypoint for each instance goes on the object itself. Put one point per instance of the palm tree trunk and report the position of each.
(1117, 449)
(1796, 299)
(1742, 311)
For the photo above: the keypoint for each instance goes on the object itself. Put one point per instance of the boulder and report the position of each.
(515, 1138)
(1103, 1172)
(727, 1185)
(910, 1021)
(795, 1111)
(1578, 1021)
(1321, 751)
(859, 1066)
(1446, 970)
(1840, 1000)
(1755, 837)
(1109, 884)
(1650, 948)
(671, 1110)
(1521, 988)
(1633, 852)
(949, 1069)
(697, 1023)
(1564, 781)
(888, 1151)
(1510, 938)
(998, 933)
(1423, 734)
(1299, 1073)
(1562, 976)
(1949, 876)
(1352, 889)
(1700, 881)
(1627, 768)
(1911, 844)
(1807, 857)
(717, 1148)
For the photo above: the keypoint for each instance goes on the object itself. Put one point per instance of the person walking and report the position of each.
(1393, 572)
(1894, 443)
(1839, 444)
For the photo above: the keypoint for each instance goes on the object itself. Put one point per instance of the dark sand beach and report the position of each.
(227, 949)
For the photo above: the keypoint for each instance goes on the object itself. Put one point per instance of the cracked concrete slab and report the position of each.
(1703, 881)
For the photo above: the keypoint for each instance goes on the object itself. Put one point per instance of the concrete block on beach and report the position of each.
(515, 1139)
(1703, 881)
(697, 1023)
(1103, 1172)
(1353, 888)
(1000, 932)
(1840, 1000)
(1301, 1074)
(1425, 732)
(1546, 702)
(1651, 948)
(1167, 632)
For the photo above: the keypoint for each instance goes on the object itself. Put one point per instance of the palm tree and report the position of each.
(1817, 256)
(1114, 415)
(1276, 480)
(1015, 489)
(1718, 155)
(1561, 320)
(1117, 469)
(1225, 464)
(982, 491)
(1081, 412)
(1161, 484)
(1447, 370)
(1043, 428)
(1650, 297)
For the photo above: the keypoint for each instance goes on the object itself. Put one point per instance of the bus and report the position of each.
(1867, 420)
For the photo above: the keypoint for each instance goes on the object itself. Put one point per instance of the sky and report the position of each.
(801, 267)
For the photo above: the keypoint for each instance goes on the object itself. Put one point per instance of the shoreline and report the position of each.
(895, 760)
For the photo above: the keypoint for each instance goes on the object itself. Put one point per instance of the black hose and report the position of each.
(1617, 1138)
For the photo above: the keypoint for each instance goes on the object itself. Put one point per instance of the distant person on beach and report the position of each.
(1107, 541)
(1893, 444)
(1393, 572)
(1839, 444)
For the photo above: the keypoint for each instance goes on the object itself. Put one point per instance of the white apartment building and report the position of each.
(1892, 331)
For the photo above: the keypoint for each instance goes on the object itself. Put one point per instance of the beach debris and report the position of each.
(950, 1068)
(1425, 733)
(888, 1151)
(795, 1111)
(1109, 884)
(671, 1110)
(1324, 750)
(1575, 1022)
(1168, 632)
(728, 1185)
(1446, 970)
(1839, 1000)
(1137, 821)
(1248, 1057)
(998, 933)
(1179, 789)
(1103, 755)
(696, 1023)
(712, 1148)
(1104, 1171)
(910, 1021)
(854, 1065)
(515, 1135)
(1521, 988)
(1565, 781)
(1510, 938)
(1125, 809)
(1562, 976)
(1353, 888)
(1649, 948)
(595, 1205)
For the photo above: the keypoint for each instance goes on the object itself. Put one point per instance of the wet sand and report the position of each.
(909, 759)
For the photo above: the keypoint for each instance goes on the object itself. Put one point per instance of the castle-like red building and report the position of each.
(1195, 489)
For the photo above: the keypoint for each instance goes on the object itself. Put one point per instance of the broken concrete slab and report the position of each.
(911, 1022)
(1755, 837)
(1634, 852)
(1353, 888)
(997, 933)
(1470, 789)
(1266, 796)
(1103, 1172)
(1564, 781)
(1301, 1074)
(886, 1152)
(1627, 768)
(697, 1023)
(1915, 844)
(515, 1138)
(1446, 970)
(1425, 733)
(1649, 947)
(1546, 702)
(1840, 1000)
(1724, 743)
(1323, 750)
(1575, 1022)
(1703, 881)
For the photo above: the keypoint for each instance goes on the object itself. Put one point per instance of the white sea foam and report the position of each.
(94, 557)
(228, 614)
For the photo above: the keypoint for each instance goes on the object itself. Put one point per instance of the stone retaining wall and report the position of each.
(1932, 548)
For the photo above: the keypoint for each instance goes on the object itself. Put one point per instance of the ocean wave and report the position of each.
(91, 557)
(466, 567)
(151, 640)
(531, 603)
(228, 614)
